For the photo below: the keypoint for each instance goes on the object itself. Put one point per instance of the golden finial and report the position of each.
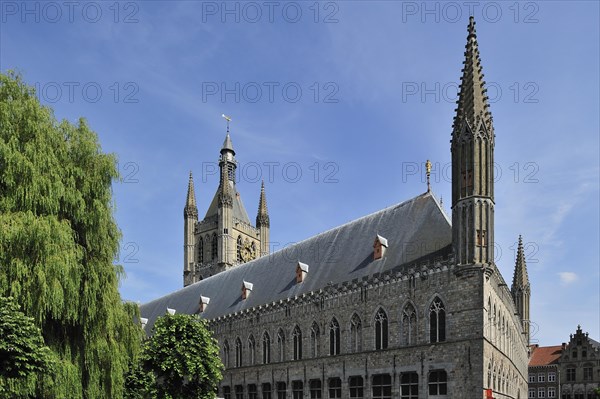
(428, 170)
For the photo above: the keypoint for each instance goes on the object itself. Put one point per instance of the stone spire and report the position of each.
(227, 145)
(472, 148)
(472, 101)
(191, 210)
(521, 291)
(520, 277)
(262, 217)
(263, 223)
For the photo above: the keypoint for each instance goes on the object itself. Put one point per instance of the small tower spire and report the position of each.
(263, 223)
(521, 289)
(190, 203)
(190, 219)
(262, 218)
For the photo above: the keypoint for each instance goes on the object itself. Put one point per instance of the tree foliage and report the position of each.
(184, 357)
(22, 349)
(58, 241)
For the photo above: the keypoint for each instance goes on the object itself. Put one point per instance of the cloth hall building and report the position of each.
(404, 303)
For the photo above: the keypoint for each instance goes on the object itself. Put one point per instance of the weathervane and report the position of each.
(228, 119)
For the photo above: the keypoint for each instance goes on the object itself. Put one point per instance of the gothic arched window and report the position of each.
(281, 345)
(437, 321)
(409, 325)
(200, 251)
(213, 247)
(355, 333)
(314, 339)
(238, 353)
(297, 335)
(239, 249)
(251, 350)
(334, 337)
(381, 330)
(266, 348)
(226, 354)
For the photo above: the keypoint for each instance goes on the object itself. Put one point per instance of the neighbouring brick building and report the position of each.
(404, 303)
(544, 375)
(567, 371)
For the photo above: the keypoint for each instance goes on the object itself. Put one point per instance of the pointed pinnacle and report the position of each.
(262, 217)
(520, 278)
(190, 203)
(472, 99)
(227, 144)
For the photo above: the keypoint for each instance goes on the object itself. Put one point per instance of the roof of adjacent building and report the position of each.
(545, 355)
(416, 229)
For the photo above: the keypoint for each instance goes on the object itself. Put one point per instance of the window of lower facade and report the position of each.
(409, 385)
(382, 386)
(531, 393)
(356, 386)
(588, 373)
(297, 390)
(252, 391)
(552, 392)
(438, 382)
(266, 391)
(571, 374)
(541, 392)
(239, 392)
(579, 395)
(335, 388)
(227, 392)
(316, 391)
(281, 390)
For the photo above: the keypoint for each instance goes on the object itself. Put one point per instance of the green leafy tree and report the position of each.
(22, 351)
(184, 357)
(139, 383)
(58, 241)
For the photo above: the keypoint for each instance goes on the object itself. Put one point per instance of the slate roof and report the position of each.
(415, 229)
(545, 355)
(239, 211)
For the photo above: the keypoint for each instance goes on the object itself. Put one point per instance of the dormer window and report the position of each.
(379, 247)
(204, 301)
(301, 272)
(246, 289)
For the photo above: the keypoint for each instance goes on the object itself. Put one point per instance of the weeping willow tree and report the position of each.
(58, 241)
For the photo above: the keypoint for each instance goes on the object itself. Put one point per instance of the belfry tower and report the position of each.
(225, 238)
(472, 147)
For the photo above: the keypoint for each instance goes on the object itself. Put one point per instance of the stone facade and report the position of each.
(428, 316)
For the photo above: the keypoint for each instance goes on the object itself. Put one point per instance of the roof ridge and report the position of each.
(339, 227)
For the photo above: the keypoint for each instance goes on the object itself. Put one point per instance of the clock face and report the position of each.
(247, 252)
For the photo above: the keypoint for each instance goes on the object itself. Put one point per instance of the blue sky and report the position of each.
(336, 105)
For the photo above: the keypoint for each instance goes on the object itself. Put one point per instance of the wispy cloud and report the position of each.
(568, 277)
